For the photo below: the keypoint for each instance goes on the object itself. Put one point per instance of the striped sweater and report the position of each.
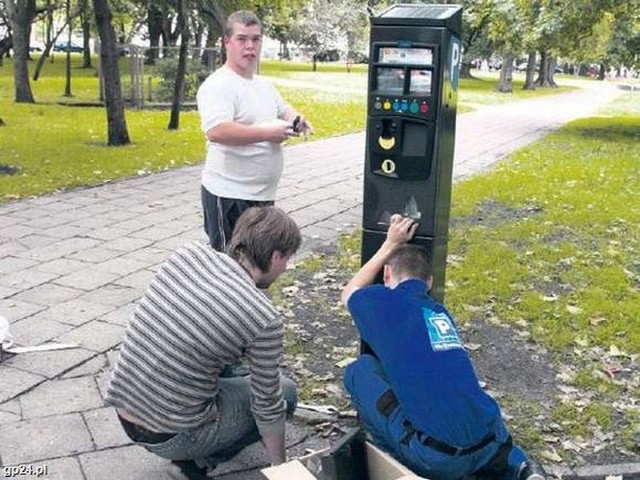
(201, 312)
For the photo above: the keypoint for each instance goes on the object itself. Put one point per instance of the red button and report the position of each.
(424, 108)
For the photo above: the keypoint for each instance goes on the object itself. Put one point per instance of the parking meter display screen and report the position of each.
(390, 80)
(420, 83)
(413, 56)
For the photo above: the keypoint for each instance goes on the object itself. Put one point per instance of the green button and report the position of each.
(413, 108)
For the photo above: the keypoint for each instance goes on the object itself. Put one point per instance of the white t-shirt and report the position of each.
(248, 172)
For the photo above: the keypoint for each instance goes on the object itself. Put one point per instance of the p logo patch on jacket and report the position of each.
(442, 331)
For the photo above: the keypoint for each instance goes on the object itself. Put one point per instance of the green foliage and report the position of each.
(167, 68)
(558, 244)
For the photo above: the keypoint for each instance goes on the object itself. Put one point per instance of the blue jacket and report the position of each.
(430, 372)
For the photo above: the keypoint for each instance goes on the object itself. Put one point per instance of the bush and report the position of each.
(194, 76)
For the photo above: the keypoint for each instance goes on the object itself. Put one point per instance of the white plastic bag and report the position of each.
(6, 339)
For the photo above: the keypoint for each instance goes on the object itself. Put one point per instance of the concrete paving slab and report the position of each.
(60, 266)
(95, 335)
(25, 279)
(87, 279)
(139, 280)
(121, 315)
(114, 295)
(14, 310)
(49, 294)
(15, 382)
(40, 439)
(37, 329)
(91, 367)
(56, 397)
(13, 264)
(50, 364)
(97, 254)
(129, 462)
(77, 312)
(105, 428)
(121, 266)
(59, 249)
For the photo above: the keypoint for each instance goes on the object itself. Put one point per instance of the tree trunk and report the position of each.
(178, 88)
(465, 69)
(603, 71)
(21, 13)
(505, 85)
(47, 50)
(6, 44)
(67, 85)
(529, 82)
(551, 71)
(154, 25)
(85, 21)
(545, 75)
(116, 121)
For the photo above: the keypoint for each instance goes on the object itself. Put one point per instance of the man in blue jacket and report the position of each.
(417, 394)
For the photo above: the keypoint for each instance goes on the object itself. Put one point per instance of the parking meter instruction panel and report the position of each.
(403, 79)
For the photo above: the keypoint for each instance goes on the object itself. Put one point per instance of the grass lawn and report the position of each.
(59, 147)
(549, 242)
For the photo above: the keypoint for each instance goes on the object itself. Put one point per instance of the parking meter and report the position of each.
(414, 66)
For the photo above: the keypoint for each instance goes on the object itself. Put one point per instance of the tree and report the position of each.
(116, 121)
(476, 16)
(20, 14)
(178, 91)
(320, 25)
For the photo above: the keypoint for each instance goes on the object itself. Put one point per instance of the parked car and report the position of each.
(65, 46)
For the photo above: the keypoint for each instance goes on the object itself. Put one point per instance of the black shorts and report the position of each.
(221, 215)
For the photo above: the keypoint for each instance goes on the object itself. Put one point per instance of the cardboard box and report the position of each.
(379, 466)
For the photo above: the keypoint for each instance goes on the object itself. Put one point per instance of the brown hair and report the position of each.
(259, 232)
(410, 261)
(243, 17)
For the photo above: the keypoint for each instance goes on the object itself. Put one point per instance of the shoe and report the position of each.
(532, 470)
(191, 470)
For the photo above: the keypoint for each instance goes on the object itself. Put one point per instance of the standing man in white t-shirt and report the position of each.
(245, 121)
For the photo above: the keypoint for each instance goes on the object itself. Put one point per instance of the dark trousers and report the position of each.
(385, 421)
(221, 215)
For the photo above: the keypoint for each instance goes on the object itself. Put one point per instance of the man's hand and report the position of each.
(278, 131)
(401, 230)
(304, 126)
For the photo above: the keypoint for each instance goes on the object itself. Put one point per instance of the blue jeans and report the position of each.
(366, 382)
(233, 429)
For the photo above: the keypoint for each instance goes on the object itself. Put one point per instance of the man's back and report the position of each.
(427, 367)
(201, 312)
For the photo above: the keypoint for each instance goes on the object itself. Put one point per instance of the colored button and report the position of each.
(414, 107)
(396, 105)
(377, 105)
(424, 108)
(386, 105)
(404, 106)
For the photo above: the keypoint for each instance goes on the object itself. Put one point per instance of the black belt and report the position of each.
(388, 402)
(139, 434)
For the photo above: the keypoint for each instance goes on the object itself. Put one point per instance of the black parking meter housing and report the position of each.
(414, 67)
